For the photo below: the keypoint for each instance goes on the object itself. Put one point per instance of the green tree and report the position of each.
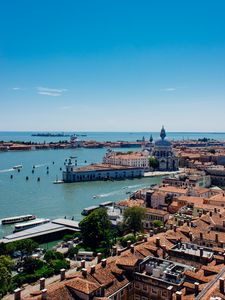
(153, 162)
(53, 255)
(96, 228)
(26, 246)
(133, 217)
(6, 264)
(157, 223)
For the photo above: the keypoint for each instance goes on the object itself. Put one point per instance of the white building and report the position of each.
(134, 159)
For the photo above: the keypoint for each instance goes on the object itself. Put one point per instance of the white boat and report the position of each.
(17, 219)
(17, 167)
(58, 181)
(31, 224)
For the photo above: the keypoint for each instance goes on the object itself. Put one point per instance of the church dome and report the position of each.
(162, 143)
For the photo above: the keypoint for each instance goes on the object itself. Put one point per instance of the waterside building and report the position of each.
(95, 172)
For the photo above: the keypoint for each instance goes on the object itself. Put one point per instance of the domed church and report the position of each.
(163, 152)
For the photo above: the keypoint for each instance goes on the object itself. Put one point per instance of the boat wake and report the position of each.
(7, 170)
(108, 194)
(41, 165)
(133, 186)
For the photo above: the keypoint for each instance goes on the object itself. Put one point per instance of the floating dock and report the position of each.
(51, 231)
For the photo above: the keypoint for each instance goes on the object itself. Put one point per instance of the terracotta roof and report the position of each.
(82, 285)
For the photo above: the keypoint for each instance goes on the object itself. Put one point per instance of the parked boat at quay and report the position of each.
(17, 219)
(30, 224)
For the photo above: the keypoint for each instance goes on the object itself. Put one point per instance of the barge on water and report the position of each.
(17, 219)
(30, 224)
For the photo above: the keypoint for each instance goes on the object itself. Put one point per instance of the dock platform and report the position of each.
(43, 233)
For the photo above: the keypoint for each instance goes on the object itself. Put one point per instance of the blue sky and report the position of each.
(112, 65)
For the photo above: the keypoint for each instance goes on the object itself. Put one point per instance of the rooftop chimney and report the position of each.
(17, 294)
(151, 233)
(178, 295)
(92, 269)
(190, 236)
(221, 279)
(128, 244)
(103, 262)
(42, 283)
(99, 257)
(119, 251)
(201, 235)
(196, 288)
(157, 242)
(44, 294)
(216, 237)
(174, 228)
(62, 274)
(82, 264)
(210, 213)
(201, 252)
(84, 272)
(132, 248)
(114, 250)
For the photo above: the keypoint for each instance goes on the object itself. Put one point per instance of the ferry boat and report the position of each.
(17, 167)
(30, 224)
(88, 210)
(17, 219)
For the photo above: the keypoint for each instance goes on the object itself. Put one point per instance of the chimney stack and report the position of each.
(190, 236)
(114, 250)
(164, 250)
(178, 295)
(42, 283)
(210, 213)
(82, 264)
(216, 237)
(44, 294)
(17, 294)
(119, 251)
(151, 233)
(145, 239)
(157, 242)
(221, 285)
(92, 269)
(62, 274)
(128, 244)
(201, 235)
(132, 248)
(196, 288)
(103, 262)
(84, 272)
(174, 227)
(201, 252)
(99, 257)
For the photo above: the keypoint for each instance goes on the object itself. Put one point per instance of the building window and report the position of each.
(136, 285)
(154, 291)
(145, 287)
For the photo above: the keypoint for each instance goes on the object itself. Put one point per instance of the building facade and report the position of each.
(134, 159)
(100, 172)
(163, 152)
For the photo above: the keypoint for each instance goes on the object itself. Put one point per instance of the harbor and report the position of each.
(47, 200)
